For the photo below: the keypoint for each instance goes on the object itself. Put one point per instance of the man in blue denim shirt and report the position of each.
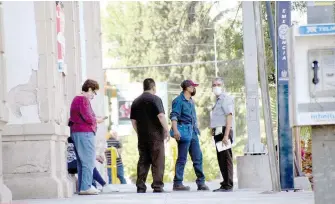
(185, 131)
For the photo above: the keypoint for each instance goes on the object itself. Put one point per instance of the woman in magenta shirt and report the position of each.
(83, 128)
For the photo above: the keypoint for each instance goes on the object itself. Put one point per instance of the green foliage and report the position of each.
(306, 133)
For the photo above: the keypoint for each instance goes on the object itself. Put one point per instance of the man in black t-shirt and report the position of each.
(148, 119)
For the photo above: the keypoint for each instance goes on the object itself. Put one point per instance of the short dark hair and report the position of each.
(148, 84)
(89, 83)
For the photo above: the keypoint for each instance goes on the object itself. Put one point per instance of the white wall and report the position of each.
(21, 58)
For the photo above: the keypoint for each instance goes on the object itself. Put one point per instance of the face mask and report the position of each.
(217, 91)
(194, 92)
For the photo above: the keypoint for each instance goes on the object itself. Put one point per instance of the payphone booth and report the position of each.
(311, 64)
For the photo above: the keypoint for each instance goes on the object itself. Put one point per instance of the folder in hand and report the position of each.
(220, 146)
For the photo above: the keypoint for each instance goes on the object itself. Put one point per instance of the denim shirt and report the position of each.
(183, 111)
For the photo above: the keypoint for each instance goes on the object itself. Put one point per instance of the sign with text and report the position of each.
(317, 29)
(283, 24)
(284, 130)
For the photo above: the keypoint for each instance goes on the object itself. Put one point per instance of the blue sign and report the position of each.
(285, 147)
(283, 25)
(317, 29)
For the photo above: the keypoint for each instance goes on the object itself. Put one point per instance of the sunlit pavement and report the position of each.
(128, 194)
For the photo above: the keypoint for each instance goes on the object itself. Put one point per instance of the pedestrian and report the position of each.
(72, 168)
(83, 126)
(185, 130)
(149, 121)
(221, 124)
(114, 142)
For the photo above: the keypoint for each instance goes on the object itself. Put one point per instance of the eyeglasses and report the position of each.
(215, 85)
(95, 93)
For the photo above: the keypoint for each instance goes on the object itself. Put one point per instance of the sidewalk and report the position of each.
(128, 195)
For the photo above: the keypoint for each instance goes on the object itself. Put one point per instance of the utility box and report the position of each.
(311, 64)
(311, 60)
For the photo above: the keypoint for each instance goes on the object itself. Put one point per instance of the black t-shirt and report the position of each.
(144, 110)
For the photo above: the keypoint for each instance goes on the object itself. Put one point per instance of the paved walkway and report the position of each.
(127, 195)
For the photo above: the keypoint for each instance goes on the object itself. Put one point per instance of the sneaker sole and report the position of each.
(88, 193)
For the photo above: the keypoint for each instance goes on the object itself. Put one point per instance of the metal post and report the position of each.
(215, 55)
(251, 80)
(285, 142)
(265, 97)
(113, 166)
(271, 28)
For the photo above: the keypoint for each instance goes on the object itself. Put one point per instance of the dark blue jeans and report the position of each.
(193, 148)
(120, 174)
(97, 177)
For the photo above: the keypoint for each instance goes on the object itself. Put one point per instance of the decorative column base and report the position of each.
(5, 193)
(34, 159)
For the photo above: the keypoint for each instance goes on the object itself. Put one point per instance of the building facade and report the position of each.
(47, 49)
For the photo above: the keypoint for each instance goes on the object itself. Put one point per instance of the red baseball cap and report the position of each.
(188, 83)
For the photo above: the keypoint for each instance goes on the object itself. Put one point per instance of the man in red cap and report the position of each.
(185, 131)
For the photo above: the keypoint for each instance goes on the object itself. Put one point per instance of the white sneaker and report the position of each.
(91, 191)
(109, 189)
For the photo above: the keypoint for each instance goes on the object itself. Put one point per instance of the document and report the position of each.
(221, 146)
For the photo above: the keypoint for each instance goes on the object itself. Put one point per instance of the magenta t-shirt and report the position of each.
(82, 115)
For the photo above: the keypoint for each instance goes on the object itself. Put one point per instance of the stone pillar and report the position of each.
(5, 193)
(72, 58)
(34, 141)
(94, 69)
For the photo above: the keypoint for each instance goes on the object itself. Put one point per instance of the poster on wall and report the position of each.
(124, 110)
(60, 26)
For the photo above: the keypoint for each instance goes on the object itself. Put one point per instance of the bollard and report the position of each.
(113, 165)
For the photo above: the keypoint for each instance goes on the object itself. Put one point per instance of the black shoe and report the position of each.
(223, 189)
(158, 191)
(203, 187)
(181, 187)
(141, 191)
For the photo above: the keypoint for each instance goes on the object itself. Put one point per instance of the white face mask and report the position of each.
(217, 90)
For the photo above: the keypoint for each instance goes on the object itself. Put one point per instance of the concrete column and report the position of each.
(34, 141)
(94, 69)
(323, 151)
(72, 57)
(5, 193)
(253, 167)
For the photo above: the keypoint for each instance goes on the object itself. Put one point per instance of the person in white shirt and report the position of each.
(221, 124)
